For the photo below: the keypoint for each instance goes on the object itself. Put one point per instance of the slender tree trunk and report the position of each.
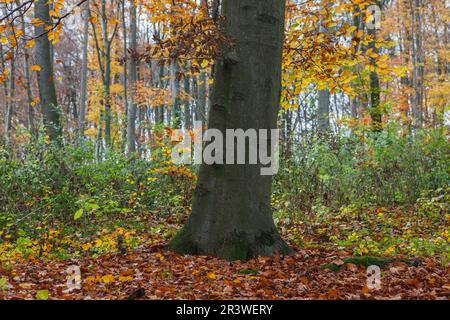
(286, 133)
(174, 87)
(356, 101)
(124, 128)
(105, 68)
(231, 215)
(323, 97)
(10, 99)
(202, 96)
(215, 9)
(46, 84)
(84, 71)
(131, 127)
(187, 105)
(9, 92)
(403, 52)
(26, 57)
(418, 63)
(323, 119)
(375, 108)
(416, 26)
(30, 108)
(99, 144)
(107, 96)
(73, 103)
(160, 114)
(4, 84)
(107, 76)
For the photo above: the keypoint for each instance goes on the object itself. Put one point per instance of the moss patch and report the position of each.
(249, 272)
(365, 261)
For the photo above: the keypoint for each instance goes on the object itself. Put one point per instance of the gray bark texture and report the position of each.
(324, 111)
(131, 126)
(46, 84)
(231, 215)
(10, 103)
(84, 71)
(201, 101)
(175, 88)
(187, 104)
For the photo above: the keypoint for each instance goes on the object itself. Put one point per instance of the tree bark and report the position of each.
(4, 85)
(46, 84)
(200, 113)
(231, 215)
(131, 127)
(375, 94)
(418, 62)
(105, 69)
(107, 75)
(187, 104)
(175, 88)
(124, 142)
(324, 111)
(11, 98)
(160, 109)
(84, 70)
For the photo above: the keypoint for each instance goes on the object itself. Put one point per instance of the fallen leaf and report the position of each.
(42, 295)
(212, 276)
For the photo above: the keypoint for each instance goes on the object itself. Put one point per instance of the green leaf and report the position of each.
(92, 207)
(3, 283)
(78, 214)
(42, 295)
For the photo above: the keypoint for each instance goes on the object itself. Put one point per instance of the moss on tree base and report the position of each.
(235, 246)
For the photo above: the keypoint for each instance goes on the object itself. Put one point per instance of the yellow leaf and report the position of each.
(29, 44)
(42, 295)
(36, 68)
(160, 256)
(36, 22)
(107, 278)
(204, 63)
(212, 276)
(125, 279)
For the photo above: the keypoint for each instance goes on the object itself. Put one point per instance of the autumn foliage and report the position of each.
(364, 170)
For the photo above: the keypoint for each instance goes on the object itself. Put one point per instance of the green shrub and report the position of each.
(57, 184)
(383, 169)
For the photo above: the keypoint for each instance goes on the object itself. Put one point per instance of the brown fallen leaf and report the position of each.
(338, 262)
(352, 267)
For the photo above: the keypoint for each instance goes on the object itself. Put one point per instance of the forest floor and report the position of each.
(330, 261)
(150, 272)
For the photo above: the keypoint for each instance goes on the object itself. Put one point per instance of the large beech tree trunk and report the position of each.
(231, 215)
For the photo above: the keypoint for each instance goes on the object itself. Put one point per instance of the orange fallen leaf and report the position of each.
(212, 276)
